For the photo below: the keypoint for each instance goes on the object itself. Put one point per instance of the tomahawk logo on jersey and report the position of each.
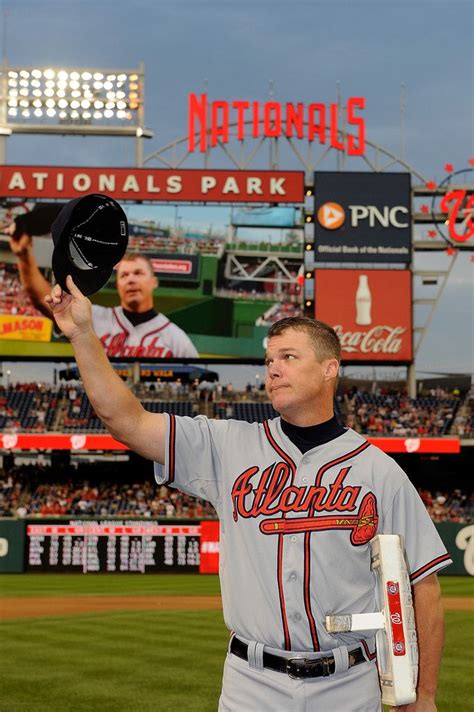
(156, 338)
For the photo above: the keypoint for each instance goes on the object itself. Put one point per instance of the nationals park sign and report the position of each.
(143, 184)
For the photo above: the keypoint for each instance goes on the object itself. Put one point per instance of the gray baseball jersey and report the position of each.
(156, 338)
(295, 529)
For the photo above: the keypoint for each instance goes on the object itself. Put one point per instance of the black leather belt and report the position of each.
(297, 667)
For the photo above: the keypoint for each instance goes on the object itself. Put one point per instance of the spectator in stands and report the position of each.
(395, 414)
(132, 329)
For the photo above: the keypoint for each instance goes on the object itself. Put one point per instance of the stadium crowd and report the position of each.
(389, 412)
(36, 490)
(13, 298)
(34, 407)
(178, 244)
(96, 490)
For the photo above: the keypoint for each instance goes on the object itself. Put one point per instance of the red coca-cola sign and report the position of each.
(370, 311)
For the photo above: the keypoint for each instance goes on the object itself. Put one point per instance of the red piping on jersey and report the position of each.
(370, 655)
(155, 331)
(276, 447)
(307, 578)
(429, 565)
(292, 466)
(124, 329)
(307, 549)
(281, 594)
(171, 455)
(343, 458)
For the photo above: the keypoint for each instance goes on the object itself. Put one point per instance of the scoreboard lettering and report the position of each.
(112, 546)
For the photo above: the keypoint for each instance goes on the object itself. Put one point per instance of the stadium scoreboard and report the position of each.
(112, 547)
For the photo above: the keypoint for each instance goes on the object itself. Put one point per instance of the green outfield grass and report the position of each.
(160, 661)
(151, 585)
(108, 584)
(457, 585)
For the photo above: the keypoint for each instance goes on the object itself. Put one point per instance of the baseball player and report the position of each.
(133, 329)
(299, 499)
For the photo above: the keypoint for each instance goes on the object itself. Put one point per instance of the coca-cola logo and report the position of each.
(9, 441)
(377, 340)
(78, 441)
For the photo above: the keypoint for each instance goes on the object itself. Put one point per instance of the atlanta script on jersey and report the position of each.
(156, 338)
(295, 529)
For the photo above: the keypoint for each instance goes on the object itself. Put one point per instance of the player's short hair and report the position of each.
(324, 339)
(132, 256)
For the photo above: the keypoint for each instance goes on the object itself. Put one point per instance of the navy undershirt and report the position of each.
(136, 318)
(313, 435)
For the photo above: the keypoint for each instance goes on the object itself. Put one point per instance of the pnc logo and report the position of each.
(331, 215)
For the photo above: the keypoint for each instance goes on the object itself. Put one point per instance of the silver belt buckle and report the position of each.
(302, 665)
(291, 672)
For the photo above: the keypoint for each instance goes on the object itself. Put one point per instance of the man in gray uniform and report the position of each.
(299, 499)
(131, 330)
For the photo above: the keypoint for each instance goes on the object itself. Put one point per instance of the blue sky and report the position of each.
(305, 48)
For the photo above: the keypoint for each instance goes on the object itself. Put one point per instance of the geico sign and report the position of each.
(332, 215)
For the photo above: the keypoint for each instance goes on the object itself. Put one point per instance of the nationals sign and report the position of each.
(223, 186)
(209, 123)
(370, 311)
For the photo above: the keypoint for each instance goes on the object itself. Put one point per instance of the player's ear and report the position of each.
(331, 369)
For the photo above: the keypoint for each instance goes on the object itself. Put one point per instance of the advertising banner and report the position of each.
(83, 441)
(370, 310)
(12, 546)
(362, 217)
(209, 558)
(25, 328)
(155, 185)
(459, 541)
(167, 266)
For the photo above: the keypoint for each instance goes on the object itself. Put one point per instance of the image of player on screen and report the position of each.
(133, 329)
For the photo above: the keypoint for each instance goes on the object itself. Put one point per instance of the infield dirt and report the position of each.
(39, 607)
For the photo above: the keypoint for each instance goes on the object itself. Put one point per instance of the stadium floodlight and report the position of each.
(77, 100)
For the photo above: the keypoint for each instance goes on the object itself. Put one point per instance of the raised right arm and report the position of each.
(120, 411)
(32, 281)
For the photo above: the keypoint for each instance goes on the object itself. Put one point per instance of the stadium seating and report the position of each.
(397, 415)
(244, 410)
(28, 407)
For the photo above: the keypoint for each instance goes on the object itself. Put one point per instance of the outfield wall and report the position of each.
(149, 546)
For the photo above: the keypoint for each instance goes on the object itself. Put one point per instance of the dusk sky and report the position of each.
(235, 49)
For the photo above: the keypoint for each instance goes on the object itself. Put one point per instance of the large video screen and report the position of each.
(203, 283)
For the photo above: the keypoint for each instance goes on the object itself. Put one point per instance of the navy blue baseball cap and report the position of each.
(90, 236)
